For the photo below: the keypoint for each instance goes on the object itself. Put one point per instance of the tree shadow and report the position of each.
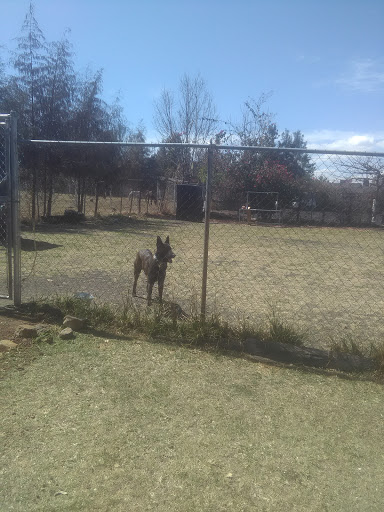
(29, 245)
(112, 223)
(111, 336)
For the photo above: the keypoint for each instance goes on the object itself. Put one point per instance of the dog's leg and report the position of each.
(149, 291)
(161, 286)
(137, 266)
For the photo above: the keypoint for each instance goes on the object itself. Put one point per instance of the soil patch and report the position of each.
(8, 327)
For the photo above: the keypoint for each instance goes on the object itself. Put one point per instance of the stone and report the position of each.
(6, 345)
(67, 334)
(76, 324)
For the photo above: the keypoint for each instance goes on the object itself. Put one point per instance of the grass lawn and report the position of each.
(326, 281)
(126, 424)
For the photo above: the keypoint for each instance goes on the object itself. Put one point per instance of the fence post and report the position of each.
(208, 194)
(15, 214)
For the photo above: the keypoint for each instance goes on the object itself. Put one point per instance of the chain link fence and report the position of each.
(307, 248)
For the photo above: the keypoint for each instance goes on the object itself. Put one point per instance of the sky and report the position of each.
(321, 60)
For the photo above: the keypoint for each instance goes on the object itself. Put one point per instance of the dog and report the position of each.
(154, 266)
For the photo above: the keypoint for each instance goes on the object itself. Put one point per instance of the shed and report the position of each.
(190, 204)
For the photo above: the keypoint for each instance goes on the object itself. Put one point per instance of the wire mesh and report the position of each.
(306, 246)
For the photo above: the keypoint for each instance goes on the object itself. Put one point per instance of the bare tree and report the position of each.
(164, 116)
(256, 126)
(186, 117)
(369, 170)
(191, 112)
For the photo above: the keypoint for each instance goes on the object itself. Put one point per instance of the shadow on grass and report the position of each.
(29, 245)
(358, 376)
(103, 333)
(112, 223)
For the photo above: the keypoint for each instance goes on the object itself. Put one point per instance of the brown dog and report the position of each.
(154, 266)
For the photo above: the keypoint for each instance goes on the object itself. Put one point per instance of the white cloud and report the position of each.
(364, 75)
(345, 141)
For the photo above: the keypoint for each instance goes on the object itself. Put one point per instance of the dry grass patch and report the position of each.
(327, 281)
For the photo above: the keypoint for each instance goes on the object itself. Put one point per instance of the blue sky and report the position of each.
(323, 61)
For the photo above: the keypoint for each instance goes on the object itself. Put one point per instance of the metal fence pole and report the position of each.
(8, 237)
(15, 214)
(208, 195)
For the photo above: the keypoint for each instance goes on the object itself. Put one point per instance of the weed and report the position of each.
(283, 332)
(377, 354)
(347, 344)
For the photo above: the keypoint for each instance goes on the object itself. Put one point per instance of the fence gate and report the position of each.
(10, 282)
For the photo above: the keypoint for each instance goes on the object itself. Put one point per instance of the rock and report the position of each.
(6, 345)
(76, 324)
(67, 334)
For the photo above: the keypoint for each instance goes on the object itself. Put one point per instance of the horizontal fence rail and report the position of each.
(258, 233)
(259, 149)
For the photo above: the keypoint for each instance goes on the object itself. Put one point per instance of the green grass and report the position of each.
(325, 281)
(103, 423)
(162, 322)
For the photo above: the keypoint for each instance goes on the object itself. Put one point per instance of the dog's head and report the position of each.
(164, 251)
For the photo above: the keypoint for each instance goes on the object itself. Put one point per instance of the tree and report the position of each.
(59, 87)
(191, 113)
(31, 64)
(188, 117)
(55, 102)
(261, 171)
(369, 170)
(257, 126)
(135, 157)
(299, 164)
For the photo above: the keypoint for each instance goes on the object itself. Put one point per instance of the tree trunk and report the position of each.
(96, 199)
(33, 192)
(79, 205)
(50, 194)
(45, 192)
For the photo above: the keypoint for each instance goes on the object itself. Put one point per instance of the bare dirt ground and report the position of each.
(12, 319)
(27, 351)
(9, 326)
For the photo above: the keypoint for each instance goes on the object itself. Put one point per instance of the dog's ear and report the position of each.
(167, 240)
(159, 241)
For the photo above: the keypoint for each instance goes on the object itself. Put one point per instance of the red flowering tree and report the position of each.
(271, 176)
(242, 172)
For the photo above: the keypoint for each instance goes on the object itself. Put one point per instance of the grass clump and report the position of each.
(348, 345)
(168, 322)
(283, 332)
